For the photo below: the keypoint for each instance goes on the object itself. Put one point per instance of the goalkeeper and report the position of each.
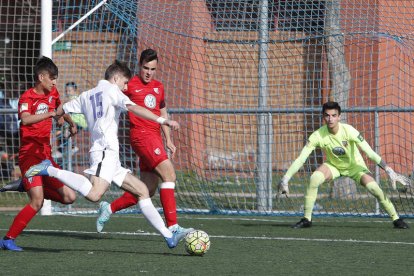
(340, 143)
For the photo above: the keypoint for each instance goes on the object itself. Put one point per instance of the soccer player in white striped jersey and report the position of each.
(341, 144)
(102, 107)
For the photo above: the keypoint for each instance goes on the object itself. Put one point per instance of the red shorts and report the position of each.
(150, 150)
(48, 181)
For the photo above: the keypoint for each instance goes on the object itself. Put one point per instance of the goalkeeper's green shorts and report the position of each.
(355, 172)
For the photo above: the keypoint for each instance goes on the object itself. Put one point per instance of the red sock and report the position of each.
(20, 221)
(168, 205)
(123, 202)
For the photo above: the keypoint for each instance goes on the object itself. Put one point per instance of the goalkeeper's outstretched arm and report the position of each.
(394, 177)
(294, 168)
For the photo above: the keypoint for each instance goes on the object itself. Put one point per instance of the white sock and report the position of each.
(152, 215)
(108, 208)
(74, 181)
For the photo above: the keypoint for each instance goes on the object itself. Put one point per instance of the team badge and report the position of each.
(345, 143)
(150, 101)
(156, 90)
(157, 151)
(24, 107)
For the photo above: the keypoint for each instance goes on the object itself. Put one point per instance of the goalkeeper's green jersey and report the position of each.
(340, 149)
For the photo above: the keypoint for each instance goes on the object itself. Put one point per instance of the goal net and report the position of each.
(246, 80)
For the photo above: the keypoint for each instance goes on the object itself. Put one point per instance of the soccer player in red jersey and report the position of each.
(36, 109)
(147, 143)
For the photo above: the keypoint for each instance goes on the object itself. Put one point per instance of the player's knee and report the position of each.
(316, 179)
(36, 205)
(70, 198)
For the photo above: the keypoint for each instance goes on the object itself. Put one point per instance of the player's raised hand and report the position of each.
(172, 124)
(283, 187)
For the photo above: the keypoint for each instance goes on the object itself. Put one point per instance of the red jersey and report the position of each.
(35, 138)
(150, 96)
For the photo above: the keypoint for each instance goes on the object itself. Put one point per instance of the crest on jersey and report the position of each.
(345, 143)
(150, 101)
(157, 151)
(156, 90)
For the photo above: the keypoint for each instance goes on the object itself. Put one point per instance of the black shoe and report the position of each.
(13, 186)
(303, 223)
(400, 223)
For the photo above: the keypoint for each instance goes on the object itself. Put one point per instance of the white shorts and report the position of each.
(105, 164)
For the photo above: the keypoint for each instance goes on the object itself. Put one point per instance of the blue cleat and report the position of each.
(9, 245)
(104, 216)
(180, 231)
(172, 242)
(39, 169)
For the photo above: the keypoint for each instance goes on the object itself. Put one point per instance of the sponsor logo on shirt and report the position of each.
(150, 101)
(157, 151)
(42, 108)
(338, 151)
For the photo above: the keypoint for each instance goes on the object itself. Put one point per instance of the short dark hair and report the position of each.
(45, 65)
(118, 67)
(147, 56)
(71, 84)
(331, 105)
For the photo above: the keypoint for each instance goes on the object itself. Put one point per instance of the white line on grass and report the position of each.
(219, 237)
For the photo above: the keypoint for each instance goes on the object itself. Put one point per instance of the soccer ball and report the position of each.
(197, 243)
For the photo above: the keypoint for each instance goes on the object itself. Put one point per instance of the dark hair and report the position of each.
(331, 105)
(71, 84)
(147, 56)
(118, 67)
(45, 65)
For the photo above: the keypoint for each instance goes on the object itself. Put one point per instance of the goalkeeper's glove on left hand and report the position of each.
(283, 187)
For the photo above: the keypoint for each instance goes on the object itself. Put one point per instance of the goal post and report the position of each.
(246, 80)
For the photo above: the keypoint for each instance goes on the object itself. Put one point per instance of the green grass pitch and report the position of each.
(69, 245)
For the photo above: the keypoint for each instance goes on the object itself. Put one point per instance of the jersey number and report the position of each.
(96, 101)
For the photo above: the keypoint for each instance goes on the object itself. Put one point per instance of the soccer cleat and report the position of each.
(303, 223)
(180, 231)
(104, 216)
(173, 241)
(13, 186)
(9, 245)
(39, 169)
(400, 223)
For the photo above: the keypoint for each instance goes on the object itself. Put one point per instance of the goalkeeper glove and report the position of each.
(283, 187)
(395, 177)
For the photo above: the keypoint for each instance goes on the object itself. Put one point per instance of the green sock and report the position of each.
(316, 179)
(385, 203)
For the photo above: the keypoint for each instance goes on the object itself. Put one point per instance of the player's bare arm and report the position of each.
(29, 119)
(146, 114)
(167, 133)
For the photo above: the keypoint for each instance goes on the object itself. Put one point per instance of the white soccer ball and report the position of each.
(197, 243)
